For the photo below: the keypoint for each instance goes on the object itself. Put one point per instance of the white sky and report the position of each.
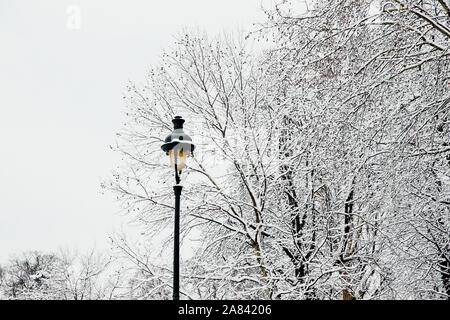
(61, 105)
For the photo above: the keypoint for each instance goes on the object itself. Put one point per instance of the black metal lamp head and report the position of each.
(178, 122)
(178, 144)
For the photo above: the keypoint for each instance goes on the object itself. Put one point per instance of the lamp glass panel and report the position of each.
(179, 158)
(172, 158)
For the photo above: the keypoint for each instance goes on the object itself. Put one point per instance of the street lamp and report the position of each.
(177, 145)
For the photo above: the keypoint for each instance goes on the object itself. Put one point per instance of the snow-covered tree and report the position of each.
(375, 76)
(62, 276)
(322, 162)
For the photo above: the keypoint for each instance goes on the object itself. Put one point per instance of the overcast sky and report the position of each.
(63, 69)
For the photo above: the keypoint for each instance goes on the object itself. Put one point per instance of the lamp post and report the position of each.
(177, 145)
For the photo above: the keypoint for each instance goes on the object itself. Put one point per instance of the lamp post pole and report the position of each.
(178, 145)
(176, 248)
